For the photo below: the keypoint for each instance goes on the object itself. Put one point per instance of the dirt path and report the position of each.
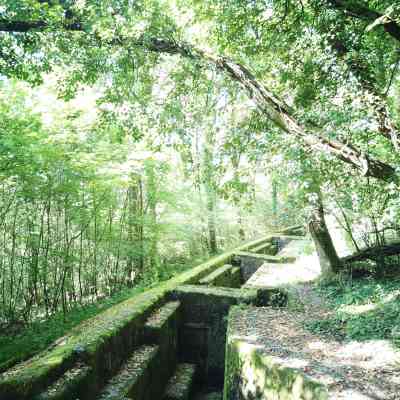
(352, 370)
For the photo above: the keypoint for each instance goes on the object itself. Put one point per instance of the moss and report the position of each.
(162, 329)
(92, 340)
(296, 230)
(181, 384)
(74, 383)
(236, 278)
(265, 248)
(248, 296)
(134, 377)
(204, 315)
(225, 276)
(266, 257)
(267, 378)
(252, 374)
(275, 297)
(40, 334)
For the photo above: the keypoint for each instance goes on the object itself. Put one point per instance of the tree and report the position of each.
(269, 104)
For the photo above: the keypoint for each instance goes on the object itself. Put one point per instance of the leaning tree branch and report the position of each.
(29, 26)
(268, 103)
(373, 253)
(360, 11)
(386, 126)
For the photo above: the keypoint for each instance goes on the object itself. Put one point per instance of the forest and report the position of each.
(141, 137)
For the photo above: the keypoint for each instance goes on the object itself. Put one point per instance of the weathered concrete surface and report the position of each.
(138, 378)
(251, 262)
(279, 275)
(181, 384)
(226, 276)
(265, 248)
(202, 337)
(270, 276)
(161, 328)
(270, 355)
(74, 383)
(294, 248)
(297, 230)
(260, 367)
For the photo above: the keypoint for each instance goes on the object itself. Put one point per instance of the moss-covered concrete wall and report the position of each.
(251, 262)
(252, 374)
(103, 342)
(225, 276)
(204, 325)
(266, 248)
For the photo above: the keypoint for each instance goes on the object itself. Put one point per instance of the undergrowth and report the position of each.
(40, 334)
(363, 309)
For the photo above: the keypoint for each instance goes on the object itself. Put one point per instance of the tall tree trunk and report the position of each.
(328, 258)
(274, 185)
(212, 229)
(209, 185)
(236, 198)
(151, 195)
(135, 230)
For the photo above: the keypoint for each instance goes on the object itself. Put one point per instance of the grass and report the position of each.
(363, 309)
(40, 334)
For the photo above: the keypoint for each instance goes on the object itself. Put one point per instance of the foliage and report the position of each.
(88, 210)
(364, 309)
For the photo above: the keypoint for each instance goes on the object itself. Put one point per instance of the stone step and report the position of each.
(73, 384)
(137, 379)
(161, 328)
(161, 322)
(209, 396)
(180, 386)
(227, 276)
(266, 257)
(266, 248)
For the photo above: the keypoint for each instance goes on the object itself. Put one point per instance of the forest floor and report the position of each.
(357, 351)
(345, 333)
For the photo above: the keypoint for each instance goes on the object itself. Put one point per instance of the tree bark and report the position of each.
(357, 10)
(210, 189)
(274, 185)
(328, 258)
(374, 253)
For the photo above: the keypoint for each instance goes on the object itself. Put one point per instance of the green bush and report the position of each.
(363, 309)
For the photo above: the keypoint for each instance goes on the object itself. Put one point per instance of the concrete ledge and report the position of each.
(251, 262)
(204, 324)
(181, 384)
(74, 383)
(266, 248)
(266, 257)
(259, 368)
(293, 230)
(227, 276)
(134, 380)
(161, 328)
